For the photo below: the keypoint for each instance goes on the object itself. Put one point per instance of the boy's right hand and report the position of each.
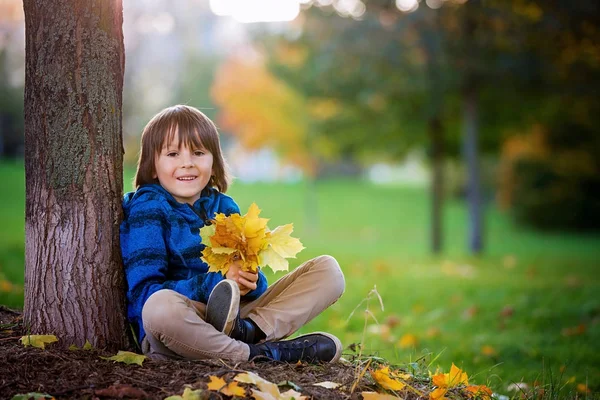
(245, 280)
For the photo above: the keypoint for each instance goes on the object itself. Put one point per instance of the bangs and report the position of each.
(188, 135)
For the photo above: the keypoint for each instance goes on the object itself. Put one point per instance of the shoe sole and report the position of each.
(223, 306)
(338, 344)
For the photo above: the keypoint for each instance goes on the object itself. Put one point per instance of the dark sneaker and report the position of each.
(246, 331)
(223, 306)
(318, 347)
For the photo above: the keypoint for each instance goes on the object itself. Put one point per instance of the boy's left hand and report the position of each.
(245, 280)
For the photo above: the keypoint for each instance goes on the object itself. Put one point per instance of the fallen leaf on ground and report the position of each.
(438, 394)
(32, 395)
(121, 391)
(452, 379)
(378, 396)
(408, 340)
(488, 350)
(267, 390)
(39, 341)
(127, 357)
(86, 346)
(328, 385)
(479, 391)
(218, 384)
(387, 380)
(189, 394)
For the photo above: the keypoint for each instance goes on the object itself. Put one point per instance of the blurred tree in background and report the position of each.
(458, 80)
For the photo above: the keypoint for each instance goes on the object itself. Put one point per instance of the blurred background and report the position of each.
(446, 152)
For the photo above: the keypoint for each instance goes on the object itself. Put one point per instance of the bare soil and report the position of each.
(82, 374)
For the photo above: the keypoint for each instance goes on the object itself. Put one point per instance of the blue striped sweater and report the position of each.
(161, 247)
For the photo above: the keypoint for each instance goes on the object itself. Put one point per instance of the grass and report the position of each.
(527, 310)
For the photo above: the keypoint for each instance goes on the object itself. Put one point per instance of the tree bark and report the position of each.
(74, 281)
(436, 137)
(470, 148)
(471, 129)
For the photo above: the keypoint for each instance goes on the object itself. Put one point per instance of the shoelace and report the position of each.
(290, 349)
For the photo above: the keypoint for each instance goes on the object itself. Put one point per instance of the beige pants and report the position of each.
(175, 326)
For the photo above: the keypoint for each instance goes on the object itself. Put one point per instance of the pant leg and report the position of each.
(175, 328)
(296, 298)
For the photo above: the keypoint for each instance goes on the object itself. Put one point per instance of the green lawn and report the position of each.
(527, 310)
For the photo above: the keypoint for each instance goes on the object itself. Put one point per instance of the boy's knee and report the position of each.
(334, 275)
(158, 310)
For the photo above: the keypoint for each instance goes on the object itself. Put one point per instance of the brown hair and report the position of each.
(195, 130)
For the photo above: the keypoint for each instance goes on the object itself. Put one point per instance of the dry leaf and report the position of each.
(216, 383)
(189, 394)
(408, 340)
(120, 391)
(438, 394)
(127, 357)
(378, 396)
(454, 378)
(39, 341)
(386, 379)
(328, 385)
(267, 390)
(87, 346)
(229, 389)
(480, 391)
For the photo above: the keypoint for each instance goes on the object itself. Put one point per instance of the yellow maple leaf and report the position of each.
(218, 384)
(452, 379)
(377, 396)
(188, 394)
(386, 379)
(127, 357)
(282, 243)
(247, 239)
(438, 394)
(480, 391)
(39, 341)
(267, 390)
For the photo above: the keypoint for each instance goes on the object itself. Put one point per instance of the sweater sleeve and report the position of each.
(228, 206)
(145, 258)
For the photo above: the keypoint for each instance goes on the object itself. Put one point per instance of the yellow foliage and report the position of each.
(388, 380)
(479, 391)
(267, 390)
(377, 396)
(408, 340)
(247, 238)
(217, 384)
(262, 110)
(39, 341)
(127, 357)
(454, 378)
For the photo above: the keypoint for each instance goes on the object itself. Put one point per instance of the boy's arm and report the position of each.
(145, 258)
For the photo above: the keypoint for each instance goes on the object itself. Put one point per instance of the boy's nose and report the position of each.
(186, 160)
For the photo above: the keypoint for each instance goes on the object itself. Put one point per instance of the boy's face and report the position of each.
(183, 172)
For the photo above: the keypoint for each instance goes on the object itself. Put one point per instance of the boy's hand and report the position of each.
(245, 280)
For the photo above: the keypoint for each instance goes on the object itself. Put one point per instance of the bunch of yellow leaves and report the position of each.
(247, 239)
(456, 378)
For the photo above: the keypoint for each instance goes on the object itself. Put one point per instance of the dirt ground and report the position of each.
(81, 374)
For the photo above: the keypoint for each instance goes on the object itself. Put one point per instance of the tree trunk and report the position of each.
(74, 281)
(471, 129)
(436, 137)
(470, 149)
